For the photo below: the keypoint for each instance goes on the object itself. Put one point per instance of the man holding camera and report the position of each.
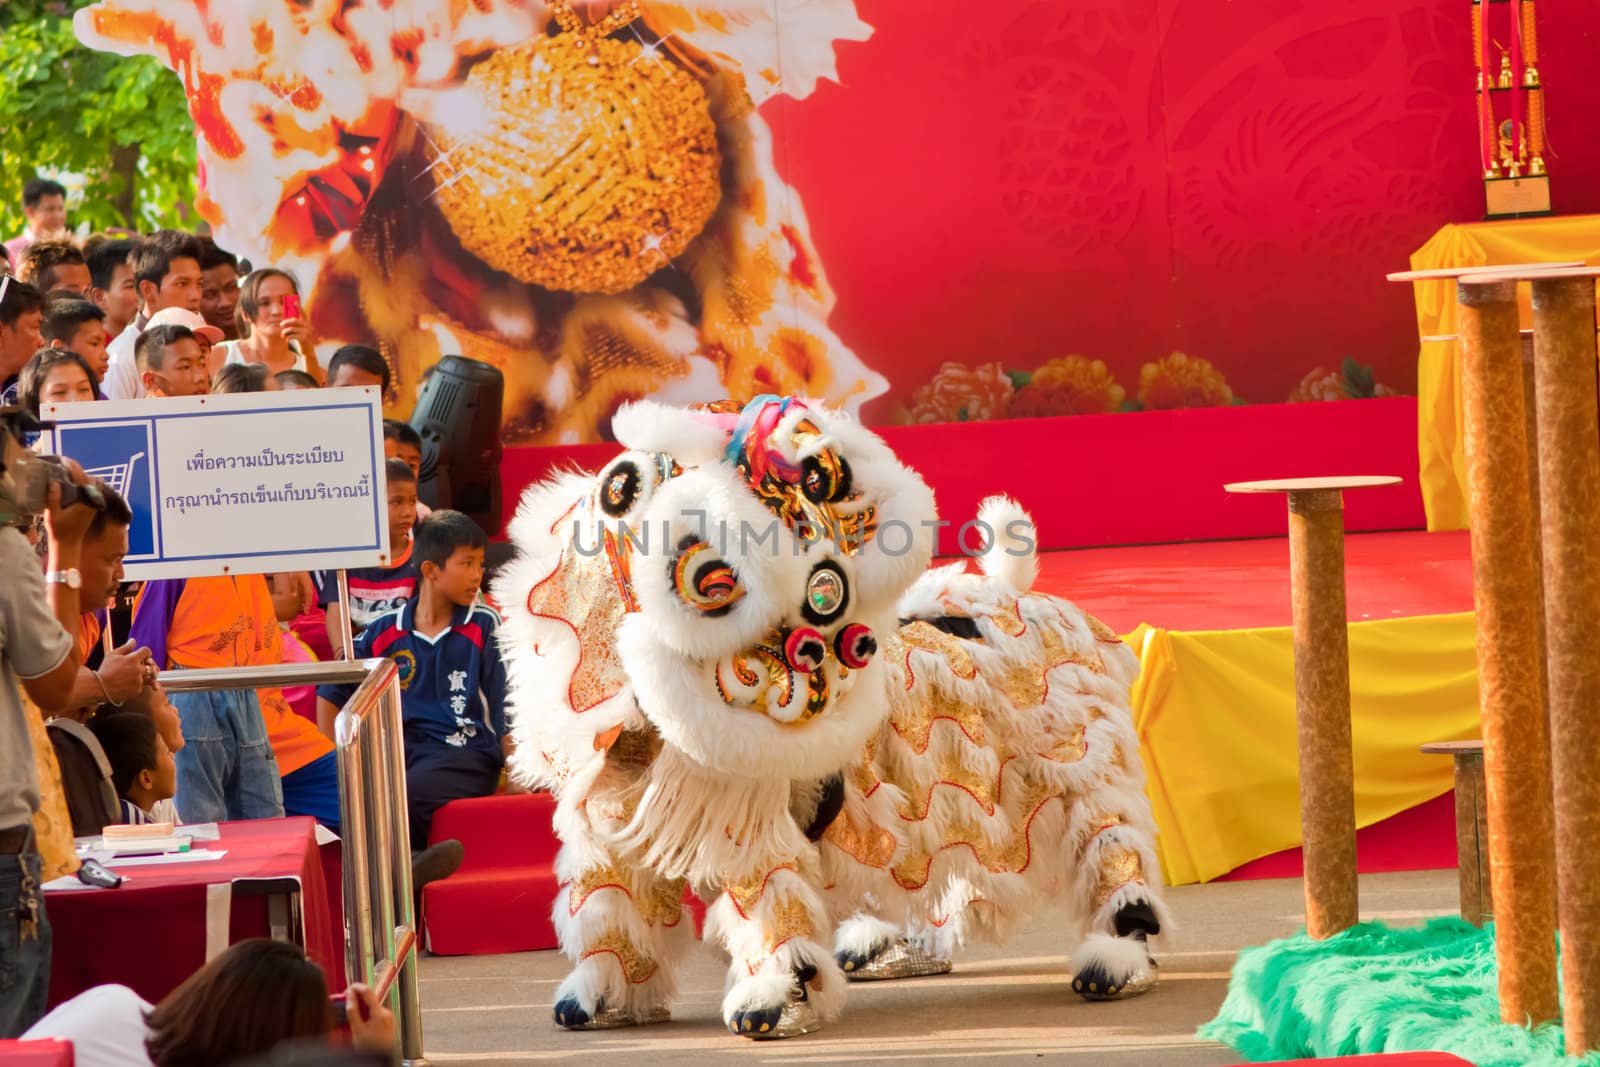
(38, 616)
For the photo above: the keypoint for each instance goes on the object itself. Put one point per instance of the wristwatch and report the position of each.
(69, 578)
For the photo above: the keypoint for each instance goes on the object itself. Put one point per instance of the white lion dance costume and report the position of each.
(729, 665)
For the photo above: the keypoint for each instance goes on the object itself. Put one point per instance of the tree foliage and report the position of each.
(113, 129)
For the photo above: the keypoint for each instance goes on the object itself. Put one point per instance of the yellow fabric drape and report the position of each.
(1216, 720)
(52, 825)
(1441, 454)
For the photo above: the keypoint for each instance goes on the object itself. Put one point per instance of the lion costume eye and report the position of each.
(827, 594)
(704, 580)
(620, 488)
(825, 477)
(628, 483)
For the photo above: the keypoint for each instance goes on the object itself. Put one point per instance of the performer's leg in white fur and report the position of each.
(1118, 887)
(782, 981)
(625, 930)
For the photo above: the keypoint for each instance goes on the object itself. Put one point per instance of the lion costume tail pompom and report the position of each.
(1011, 543)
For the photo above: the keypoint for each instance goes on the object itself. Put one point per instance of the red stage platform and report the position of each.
(1241, 585)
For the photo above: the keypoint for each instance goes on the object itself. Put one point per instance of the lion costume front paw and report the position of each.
(731, 665)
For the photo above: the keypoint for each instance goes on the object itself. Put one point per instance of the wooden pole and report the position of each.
(1472, 830)
(1322, 711)
(1530, 437)
(1569, 480)
(1322, 694)
(1515, 735)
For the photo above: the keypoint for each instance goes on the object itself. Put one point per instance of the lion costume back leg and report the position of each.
(1008, 772)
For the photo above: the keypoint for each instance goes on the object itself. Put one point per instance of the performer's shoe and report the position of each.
(793, 1018)
(900, 958)
(572, 1017)
(1114, 968)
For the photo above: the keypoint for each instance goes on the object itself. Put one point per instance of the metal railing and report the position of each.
(378, 913)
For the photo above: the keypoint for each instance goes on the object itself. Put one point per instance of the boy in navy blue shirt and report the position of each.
(452, 680)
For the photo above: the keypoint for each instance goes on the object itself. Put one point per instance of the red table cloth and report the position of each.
(36, 1054)
(150, 933)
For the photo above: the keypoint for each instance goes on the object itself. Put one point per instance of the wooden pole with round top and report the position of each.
(1516, 750)
(1530, 421)
(1322, 693)
(1568, 467)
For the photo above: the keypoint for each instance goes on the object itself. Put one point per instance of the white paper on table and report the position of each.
(325, 836)
(199, 855)
(65, 883)
(134, 846)
(200, 831)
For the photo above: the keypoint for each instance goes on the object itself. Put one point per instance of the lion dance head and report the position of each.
(724, 581)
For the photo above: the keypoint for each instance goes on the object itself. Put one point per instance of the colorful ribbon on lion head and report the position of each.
(777, 445)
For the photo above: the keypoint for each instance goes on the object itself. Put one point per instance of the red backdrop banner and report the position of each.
(1127, 178)
(933, 212)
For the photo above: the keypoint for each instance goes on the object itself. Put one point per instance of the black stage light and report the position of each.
(458, 418)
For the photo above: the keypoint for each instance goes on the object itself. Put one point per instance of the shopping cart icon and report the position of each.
(123, 456)
(118, 475)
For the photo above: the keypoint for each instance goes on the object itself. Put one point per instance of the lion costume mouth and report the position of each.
(793, 675)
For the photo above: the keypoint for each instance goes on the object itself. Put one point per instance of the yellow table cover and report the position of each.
(1215, 714)
(1441, 454)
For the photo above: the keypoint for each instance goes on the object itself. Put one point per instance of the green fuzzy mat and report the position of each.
(1379, 989)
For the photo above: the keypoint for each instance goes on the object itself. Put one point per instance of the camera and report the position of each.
(25, 475)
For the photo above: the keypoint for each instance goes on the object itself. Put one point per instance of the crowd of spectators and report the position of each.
(171, 314)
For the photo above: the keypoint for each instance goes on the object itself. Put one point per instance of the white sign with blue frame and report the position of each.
(241, 483)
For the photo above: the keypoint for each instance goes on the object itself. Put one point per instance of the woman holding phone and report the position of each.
(272, 330)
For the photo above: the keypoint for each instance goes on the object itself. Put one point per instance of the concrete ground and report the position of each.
(1011, 1004)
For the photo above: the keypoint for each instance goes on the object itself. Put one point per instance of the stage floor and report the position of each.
(1240, 585)
(1010, 1004)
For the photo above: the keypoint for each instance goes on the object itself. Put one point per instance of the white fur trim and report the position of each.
(679, 697)
(1119, 957)
(903, 505)
(715, 505)
(696, 823)
(552, 743)
(862, 933)
(652, 427)
(766, 989)
(1011, 553)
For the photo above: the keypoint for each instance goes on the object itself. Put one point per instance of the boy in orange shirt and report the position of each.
(226, 769)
